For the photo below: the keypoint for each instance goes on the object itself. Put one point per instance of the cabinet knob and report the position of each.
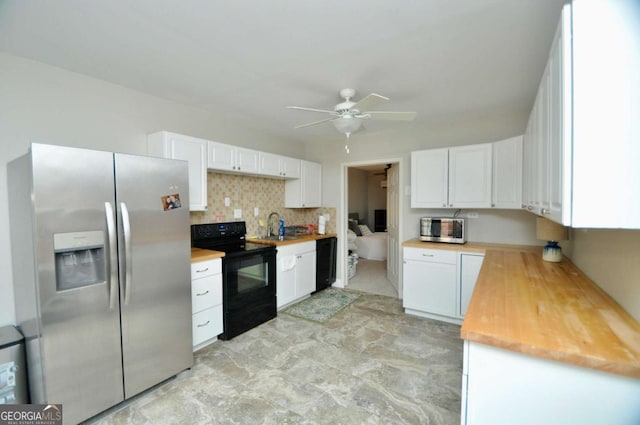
(450, 205)
(493, 205)
(234, 167)
(545, 211)
(444, 205)
(529, 208)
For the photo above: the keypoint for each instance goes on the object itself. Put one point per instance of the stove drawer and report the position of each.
(206, 268)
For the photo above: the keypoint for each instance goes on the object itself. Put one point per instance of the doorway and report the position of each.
(371, 202)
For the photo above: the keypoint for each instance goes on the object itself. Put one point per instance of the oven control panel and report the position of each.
(218, 230)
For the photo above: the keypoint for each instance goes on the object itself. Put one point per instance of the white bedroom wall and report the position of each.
(358, 197)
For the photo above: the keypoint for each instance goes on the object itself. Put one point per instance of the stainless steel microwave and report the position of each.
(448, 230)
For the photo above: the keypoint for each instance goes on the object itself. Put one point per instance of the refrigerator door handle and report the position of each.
(112, 270)
(126, 230)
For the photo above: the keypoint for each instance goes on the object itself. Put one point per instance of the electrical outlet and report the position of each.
(256, 211)
(227, 201)
(473, 215)
(237, 213)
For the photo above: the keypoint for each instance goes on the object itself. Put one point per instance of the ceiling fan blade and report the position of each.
(313, 123)
(391, 116)
(369, 102)
(311, 109)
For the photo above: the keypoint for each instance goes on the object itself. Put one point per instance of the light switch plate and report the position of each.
(256, 211)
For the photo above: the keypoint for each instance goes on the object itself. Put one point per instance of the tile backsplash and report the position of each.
(249, 192)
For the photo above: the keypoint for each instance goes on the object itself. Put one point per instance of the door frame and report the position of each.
(343, 216)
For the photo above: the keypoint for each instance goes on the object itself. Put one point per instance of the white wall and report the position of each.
(377, 197)
(358, 195)
(611, 258)
(39, 103)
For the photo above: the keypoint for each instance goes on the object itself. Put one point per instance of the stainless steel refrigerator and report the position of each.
(101, 266)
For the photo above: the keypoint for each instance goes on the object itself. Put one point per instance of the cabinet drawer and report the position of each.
(206, 292)
(431, 255)
(206, 268)
(207, 324)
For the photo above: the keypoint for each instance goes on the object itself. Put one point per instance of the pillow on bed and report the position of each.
(365, 230)
(353, 225)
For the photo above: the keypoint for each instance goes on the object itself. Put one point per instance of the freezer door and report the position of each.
(76, 284)
(155, 269)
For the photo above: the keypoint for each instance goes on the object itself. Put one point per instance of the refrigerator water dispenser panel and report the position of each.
(79, 259)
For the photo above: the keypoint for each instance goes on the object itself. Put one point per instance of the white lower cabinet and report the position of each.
(507, 387)
(296, 272)
(206, 301)
(470, 265)
(438, 283)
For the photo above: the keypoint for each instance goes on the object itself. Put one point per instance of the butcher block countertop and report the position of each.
(298, 239)
(550, 310)
(198, 254)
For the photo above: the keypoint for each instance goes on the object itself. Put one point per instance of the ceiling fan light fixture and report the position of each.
(347, 124)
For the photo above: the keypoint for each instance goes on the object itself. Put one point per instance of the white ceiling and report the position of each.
(250, 59)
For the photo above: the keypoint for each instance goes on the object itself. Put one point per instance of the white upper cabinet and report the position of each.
(429, 178)
(305, 192)
(230, 158)
(278, 166)
(457, 177)
(507, 174)
(194, 151)
(582, 137)
(470, 176)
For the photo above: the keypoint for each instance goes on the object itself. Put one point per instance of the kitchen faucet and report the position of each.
(269, 226)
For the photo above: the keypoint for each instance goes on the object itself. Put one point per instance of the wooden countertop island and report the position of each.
(550, 310)
(545, 345)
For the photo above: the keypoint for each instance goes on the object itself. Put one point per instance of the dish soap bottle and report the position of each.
(281, 231)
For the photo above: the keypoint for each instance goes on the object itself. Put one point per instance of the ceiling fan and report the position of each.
(347, 116)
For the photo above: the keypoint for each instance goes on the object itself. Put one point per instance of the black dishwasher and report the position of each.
(325, 262)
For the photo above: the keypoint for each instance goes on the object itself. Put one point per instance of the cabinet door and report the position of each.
(246, 160)
(194, 151)
(311, 175)
(220, 156)
(305, 192)
(542, 148)
(530, 160)
(507, 174)
(559, 132)
(305, 274)
(290, 167)
(470, 265)
(285, 282)
(430, 287)
(269, 164)
(470, 176)
(429, 178)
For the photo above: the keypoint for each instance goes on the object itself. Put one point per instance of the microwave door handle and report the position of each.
(126, 230)
(112, 254)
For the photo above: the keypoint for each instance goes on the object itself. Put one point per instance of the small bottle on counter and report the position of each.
(281, 231)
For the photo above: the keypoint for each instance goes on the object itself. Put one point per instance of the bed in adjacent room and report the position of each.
(368, 245)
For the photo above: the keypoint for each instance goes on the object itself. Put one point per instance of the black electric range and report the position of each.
(248, 275)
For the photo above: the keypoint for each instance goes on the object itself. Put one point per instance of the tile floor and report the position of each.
(371, 277)
(369, 364)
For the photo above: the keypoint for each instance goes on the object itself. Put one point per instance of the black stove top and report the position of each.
(225, 237)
